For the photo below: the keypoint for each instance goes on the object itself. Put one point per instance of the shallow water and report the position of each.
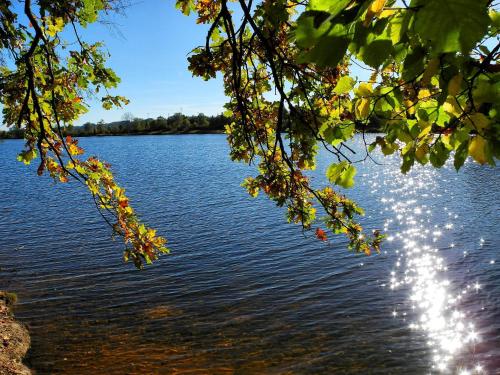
(243, 292)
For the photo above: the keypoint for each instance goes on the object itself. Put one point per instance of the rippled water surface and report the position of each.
(243, 292)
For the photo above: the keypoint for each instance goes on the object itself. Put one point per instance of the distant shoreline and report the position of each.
(190, 132)
(177, 124)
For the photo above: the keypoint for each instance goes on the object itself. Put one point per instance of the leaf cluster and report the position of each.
(44, 83)
(431, 83)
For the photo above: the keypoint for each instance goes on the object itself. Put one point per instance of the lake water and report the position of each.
(244, 292)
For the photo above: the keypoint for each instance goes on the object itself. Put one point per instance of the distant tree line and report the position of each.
(12, 133)
(175, 124)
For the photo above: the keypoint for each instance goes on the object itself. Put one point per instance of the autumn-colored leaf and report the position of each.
(321, 234)
(478, 149)
(123, 203)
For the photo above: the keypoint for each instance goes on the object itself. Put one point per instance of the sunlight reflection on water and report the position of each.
(420, 268)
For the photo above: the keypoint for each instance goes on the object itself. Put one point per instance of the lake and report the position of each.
(243, 292)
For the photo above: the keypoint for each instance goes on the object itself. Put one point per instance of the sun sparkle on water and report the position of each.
(421, 269)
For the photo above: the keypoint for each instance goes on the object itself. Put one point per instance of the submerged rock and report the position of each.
(14, 339)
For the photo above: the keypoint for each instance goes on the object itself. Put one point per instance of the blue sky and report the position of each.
(149, 46)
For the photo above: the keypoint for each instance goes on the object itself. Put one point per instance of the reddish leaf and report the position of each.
(321, 234)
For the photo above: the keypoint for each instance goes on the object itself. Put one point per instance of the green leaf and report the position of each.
(413, 65)
(328, 52)
(333, 7)
(389, 148)
(27, 156)
(185, 6)
(311, 26)
(421, 153)
(495, 18)
(324, 45)
(335, 133)
(461, 155)
(408, 161)
(347, 177)
(334, 170)
(486, 91)
(341, 174)
(344, 85)
(439, 154)
(452, 25)
(398, 26)
(375, 53)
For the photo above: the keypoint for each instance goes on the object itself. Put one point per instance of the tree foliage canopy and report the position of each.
(432, 84)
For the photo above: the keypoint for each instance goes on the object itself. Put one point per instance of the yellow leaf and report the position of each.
(410, 106)
(421, 151)
(364, 89)
(424, 94)
(92, 187)
(55, 25)
(362, 108)
(446, 139)
(387, 13)
(80, 169)
(377, 6)
(477, 149)
(374, 10)
(426, 128)
(451, 106)
(454, 85)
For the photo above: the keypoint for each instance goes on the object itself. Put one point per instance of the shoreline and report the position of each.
(191, 132)
(14, 339)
